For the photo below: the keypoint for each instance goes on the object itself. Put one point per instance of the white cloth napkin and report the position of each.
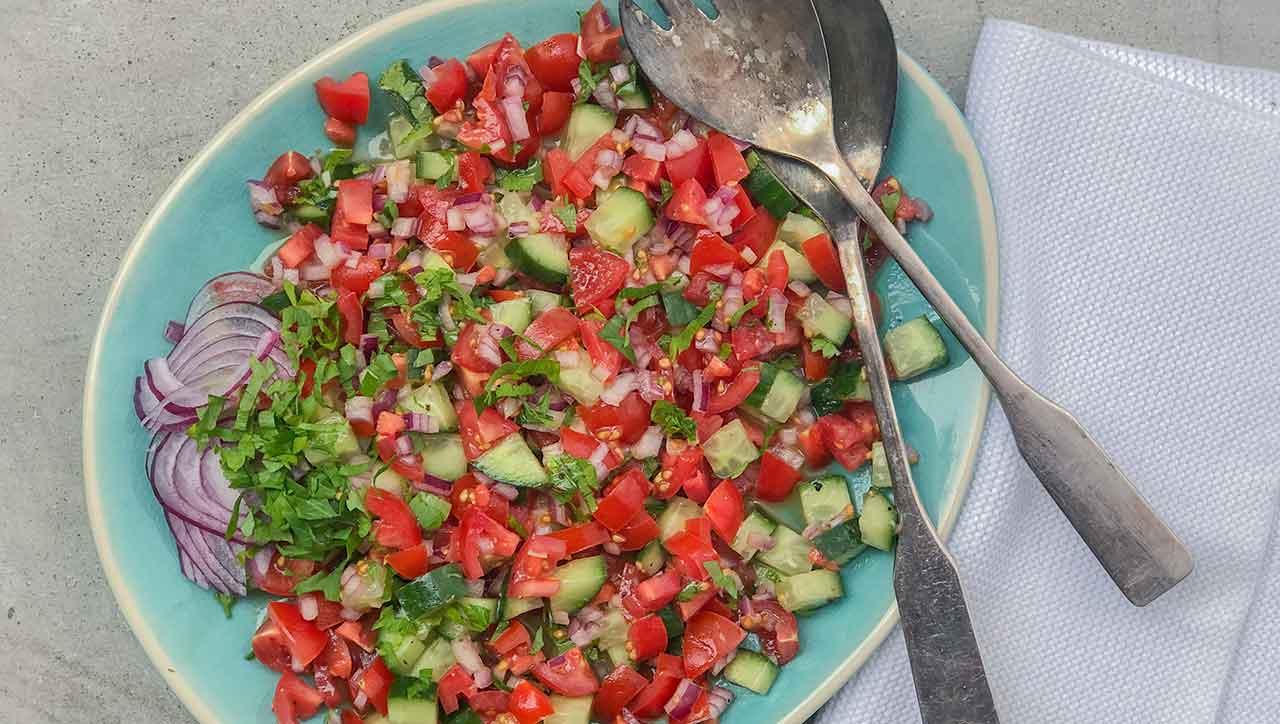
(1138, 198)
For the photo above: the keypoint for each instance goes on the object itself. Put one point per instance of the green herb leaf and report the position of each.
(523, 179)
(829, 395)
(226, 600)
(433, 591)
(684, 340)
(667, 190)
(673, 421)
(567, 214)
(737, 316)
(890, 203)
(824, 347)
(430, 510)
(537, 414)
(588, 80)
(726, 582)
(501, 385)
(690, 591)
(569, 476)
(413, 688)
(616, 333)
(328, 583)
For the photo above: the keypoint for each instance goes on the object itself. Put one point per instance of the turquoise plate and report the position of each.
(202, 227)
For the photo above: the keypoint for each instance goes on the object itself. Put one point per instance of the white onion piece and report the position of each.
(404, 227)
(622, 385)
(399, 177)
(465, 651)
(309, 607)
(800, 288)
(568, 359)
(597, 460)
(777, 316)
(841, 304)
(649, 444)
(513, 109)
(455, 219)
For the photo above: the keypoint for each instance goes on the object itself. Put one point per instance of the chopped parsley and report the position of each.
(824, 347)
(673, 421)
(504, 382)
(567, 214)
(523, 179)
(569, 476)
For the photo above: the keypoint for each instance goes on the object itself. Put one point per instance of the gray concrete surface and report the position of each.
(101, 103)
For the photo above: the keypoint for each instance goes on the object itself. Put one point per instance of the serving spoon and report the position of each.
(759, 72)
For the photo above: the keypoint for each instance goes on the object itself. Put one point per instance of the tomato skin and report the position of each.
(601, 41)
(299, 246)
(595, 274)
(271, 647)
(481, 431)
(726, 160)
(358, 278)
(528, 704)
(580, 537)
(687, 203)
(287, 170)
(777, 478)
(556, 107)
(468, 492)
(680, 470)
(723, 400)
(548, 331)
(816, 367)
(474, 171)
(624, 500)
(530, 573)
(602, 353)
(355, 200)
(454, 683)
(347, 101)
(746, 211)
(481, 59)
(777, 629)
(336, 658)
(691, 548)
(750, 340)
(555, 166)
(582, 446)
(352, 316)
(342, 133)
(712, 251)
(695, 164)
(849, 440)
(410, 562)
(294, 699)
(456, 249)
(777, 271)
(616, 691)
(725, 510)
(554, 61)
(625, 422)
(510, 640)
(644, 170)
(654, 593)
(396, 527)
(449, 87)
(465, 352)
(648, 704)
(474, 527)
(283, 574)
(708, 637)
(568, 674)
(647, 637)
(637, 533)
(757, 233)
(822, 256)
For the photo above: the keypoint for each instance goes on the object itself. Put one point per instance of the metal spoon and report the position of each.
(760, 72)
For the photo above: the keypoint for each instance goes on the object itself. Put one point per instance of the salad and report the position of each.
(530, 416)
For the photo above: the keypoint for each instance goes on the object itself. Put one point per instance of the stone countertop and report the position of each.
(104, 102)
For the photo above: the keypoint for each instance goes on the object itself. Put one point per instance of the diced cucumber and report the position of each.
(437, 659)
(751, 670)
(542, 301)
(825, 498)
(672, 621)
(489, 607)
(403, 710)
(405, 654)
(810, 590)
(587, 123)
(512, 607)
(407, 139)
(621, 218)
(798, 267)
(374, 717)
(766, 572)
(730, 450)
(570, 710)
(841, 544)
(513, 206)
(431, 165)
(613, 631)
(879, 520)
(754, 523)
(579, 382)
(766, 189)
(777, 394)
(790, 552)
(679, 511)
(787, 511)
(880, 477)
(390, 481)
(914, 348)
(442, 456)
(515, 313)
(341, 437)
(511, 461)
(580, 580)
(433, 399)
(431, 259)
(634, 96)
(431, 510)
(818, 318)
(796, 229)
(541, 256)
(651, 558)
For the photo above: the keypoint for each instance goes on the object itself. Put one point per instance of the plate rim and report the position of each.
(955, 125)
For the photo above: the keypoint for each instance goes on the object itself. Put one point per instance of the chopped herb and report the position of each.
(569, 476)
(502, 382)
(890, 203)
(405, 90)
(329, 583)
(673, 420)
(430, 510)
(824, 347)
(617, 333)
(690, 591)
(680, 311)
(536, 414)
(523, 179)
(737, 316)
(226, 600)
(682, 341)
(433, 591)
(413, 688)
(667, 190)
(588, 80)
(567, 214)
(726, 582)
(829, 395)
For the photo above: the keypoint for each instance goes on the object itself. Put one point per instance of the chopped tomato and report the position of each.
(601, 40)
(449, 86)
(488, 130)
(347, 101)
(554, 61)
(692, 606)
(777, 478)
(396, 527)
(822, 256)
(489, 703)
(624, 500)
(595, 274)
(616, 691)
(374, 681)
(580, 537)
(530, 572)
(408, 333)
(481, 431)
(294, 700)
(583, 446)
(687, 203)
(816, 366)
(342, 133)
(646, 638)
(691, 548)
(336, 658)
(695, 164)
(466, 352)
(484, 541)
(655, 593)
(638, 533)
(352, 316)
(349, 716)
(649, 703)
(578, 184)
(555, 111)
(750, 340)
(849, 441)
(776, 627)
(707, 426)
(555, 165)
(287, 170)
(777, 271)
(356, 278)
(547, 332)
(355, 201)
(410, 562)
(644, 170)
(456, 682)
(481, 59)
(271, 647)
(353, 235)
(474, 171)
(568, 674)
(725, 510)
(510, 55)
(679, 471)
(469, 492)
(726, 160)
(283, 574)
(603, 355)
(726, 397)
(299, 245)
(456, 249)
(512, 640)
(746, 211)
(709, 637)
(357, 633)
(757, 234)
(528, 704)
(711, 251)
(625, 422)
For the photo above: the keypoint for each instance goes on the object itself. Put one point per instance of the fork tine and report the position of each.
(683, 12)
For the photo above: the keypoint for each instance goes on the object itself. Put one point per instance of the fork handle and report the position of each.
(1141, 554)
(946, 663)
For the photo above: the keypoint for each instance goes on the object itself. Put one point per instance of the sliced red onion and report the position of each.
(483, 678)
(518, 229)
(515, 83)
(467, 654)
(271, 221)
(841, 304)
(620, 73)
(173, 331)
(627, 717)
(681, 703)
(552, 450)
(760, 541)
(699, 393)
(608, 158)
(313, 271)
(597, 460)
(650, 387)
(602, 177)
(575, 84)
(601, 372)
(720, 271)
(560, 617)
(446, 314)
(787, 453)
(455, 219)
(507, 491)
(652, 150)
(309, 607)
(380, 250)
(263, 198)
(292, 276)
(777, 317)
(377, 230)
(329, 254)
(801, 289)
(441, 370)
(681, 143)
(605, 96)
(435, 486)
(718, 699)
(421, 422)
(513, 110)
(359, 409)
(748, 255)
(488, 350)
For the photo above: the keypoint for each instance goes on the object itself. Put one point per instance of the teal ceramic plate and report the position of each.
(202, 226)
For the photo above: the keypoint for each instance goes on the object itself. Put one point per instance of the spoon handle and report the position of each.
(1135, 547)
(946, 664)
